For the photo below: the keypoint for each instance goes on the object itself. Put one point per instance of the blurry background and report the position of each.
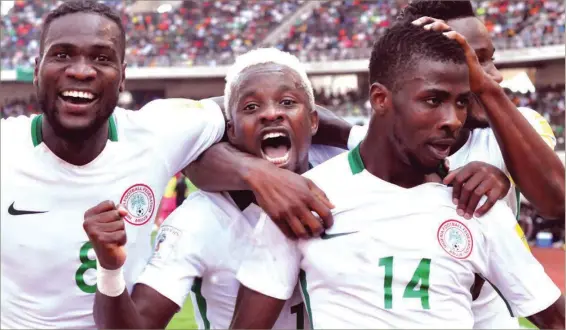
(182, 49)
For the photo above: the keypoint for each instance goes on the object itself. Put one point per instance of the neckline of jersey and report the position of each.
(357, 164)
(37, 132)
(355, 160)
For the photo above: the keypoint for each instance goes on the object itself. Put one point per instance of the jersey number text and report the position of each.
(421, 275)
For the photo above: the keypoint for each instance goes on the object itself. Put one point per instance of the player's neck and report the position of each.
(73, 151)
(462, 139)
(382, 161)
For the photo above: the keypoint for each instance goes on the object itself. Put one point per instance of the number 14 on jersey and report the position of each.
(420, 278)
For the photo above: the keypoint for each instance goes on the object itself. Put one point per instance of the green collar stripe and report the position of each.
(112, 130)
(37, 135)
(355, 160)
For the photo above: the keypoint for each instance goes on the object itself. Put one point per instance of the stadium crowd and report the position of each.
(213, 32)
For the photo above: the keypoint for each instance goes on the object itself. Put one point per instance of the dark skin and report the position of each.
(86, 58)
(269, 99)
(531, 163)
(415, 151)
(433, 102)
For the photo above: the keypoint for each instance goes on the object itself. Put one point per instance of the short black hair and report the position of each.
(395, 53)
(83, 6)
(440, 9)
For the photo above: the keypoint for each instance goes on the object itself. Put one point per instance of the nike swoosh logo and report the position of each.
(329, 236)
(13, 211)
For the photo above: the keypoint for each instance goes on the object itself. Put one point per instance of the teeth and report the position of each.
(78, 94)
(279, 160)
(272, 135)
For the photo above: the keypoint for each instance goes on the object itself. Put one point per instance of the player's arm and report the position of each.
(535, 168)
(516, 274)
(165, 282)
(182, 129)
(529, 160)
(255, 310)
(287, 197)
(268, 276)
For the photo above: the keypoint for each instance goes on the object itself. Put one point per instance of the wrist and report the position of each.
(249, 171)
(110, 283)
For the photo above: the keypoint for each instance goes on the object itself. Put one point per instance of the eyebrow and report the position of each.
(100, 46)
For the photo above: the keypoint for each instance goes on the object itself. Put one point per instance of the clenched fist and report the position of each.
(104, 225)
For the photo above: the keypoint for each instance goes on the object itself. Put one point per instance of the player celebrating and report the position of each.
(83, 150)
(270, 106)
(360, 274)
(529, 162)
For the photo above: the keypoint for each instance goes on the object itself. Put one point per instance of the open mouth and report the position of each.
(276, 147)
(441, 150)
(77, 97)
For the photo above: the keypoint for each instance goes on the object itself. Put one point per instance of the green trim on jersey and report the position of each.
(201, 301)
(518, 193)
(355, 160)
(500, 295)
(37, 132)
(112, 129)
(303, 280)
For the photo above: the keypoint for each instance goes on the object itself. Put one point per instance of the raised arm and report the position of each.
(113, 306)
(535, 168)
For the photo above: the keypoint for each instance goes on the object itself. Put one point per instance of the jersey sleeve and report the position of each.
(183, 129)
(272, 266)
(540, 124)
(319, 153)
(180, 252)
(511, 267)
(357, 134)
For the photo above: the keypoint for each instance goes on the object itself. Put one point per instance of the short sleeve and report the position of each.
(511, 267)
(184, 129)
(540, 124)
(179, 252)
(273, 264)
(319, 153)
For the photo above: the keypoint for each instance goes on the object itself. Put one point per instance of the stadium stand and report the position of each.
(213, 32)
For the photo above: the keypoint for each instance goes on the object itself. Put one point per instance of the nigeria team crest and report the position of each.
(139, 200)
(455, 238)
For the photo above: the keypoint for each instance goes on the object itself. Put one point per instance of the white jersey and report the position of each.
(198, 251)
(489, 309)
(395, 257)
(47, 265)
(483, 146)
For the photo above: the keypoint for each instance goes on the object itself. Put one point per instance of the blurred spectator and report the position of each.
(214, 32)
(342, 30)
(195, 33)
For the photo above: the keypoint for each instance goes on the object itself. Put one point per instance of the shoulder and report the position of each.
(199, 214)
(327, 174)
(319, 153)
(179, 104)
(497, 220)
(16, 132)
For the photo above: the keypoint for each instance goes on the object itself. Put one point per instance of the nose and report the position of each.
(81, 70)
(271, 113)
(452, 119)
